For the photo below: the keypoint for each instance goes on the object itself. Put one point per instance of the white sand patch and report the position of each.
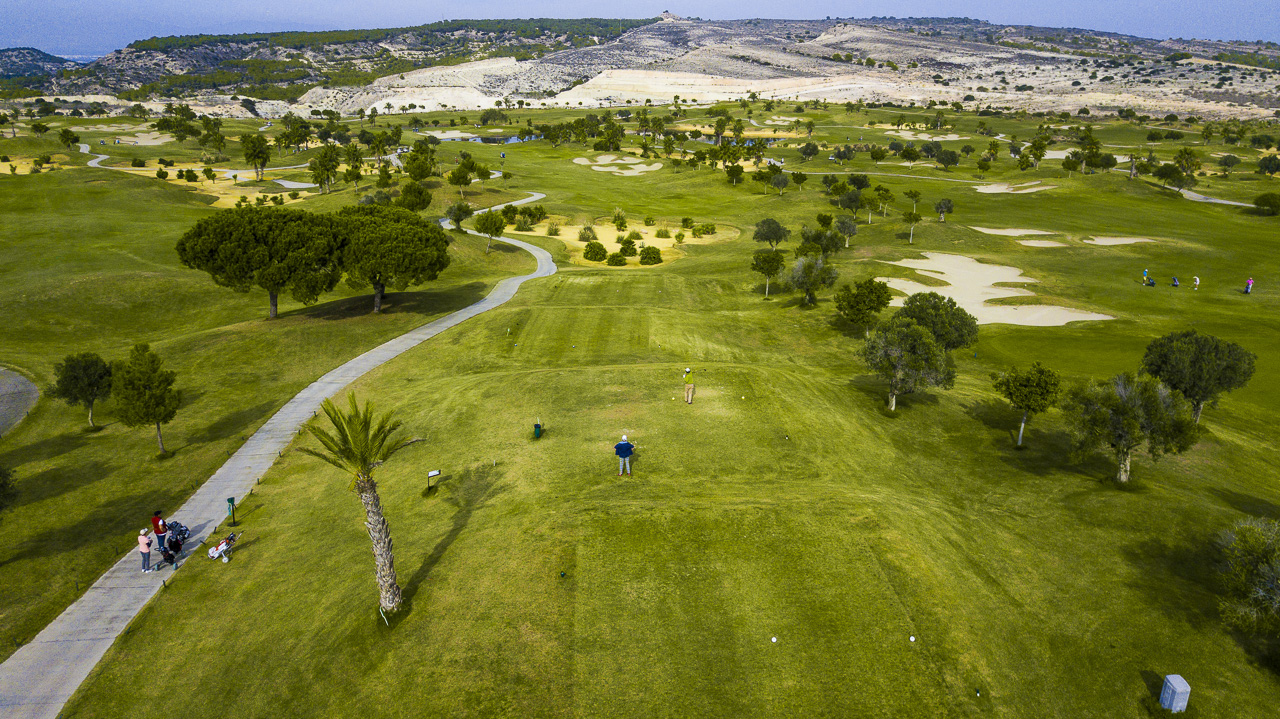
(1042, 243)
(447, 134)
(971, 284)
(1056, 154)
(1117, 240)
(924, 136)
(623, 166)
(913, 164)
(1012, 232)
(1004, 188)
(781, 120)
(146, 138)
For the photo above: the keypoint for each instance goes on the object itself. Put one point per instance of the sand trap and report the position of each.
(1004, 188)
(781, 120)
(623, 166)
(1041, 243)
(924, 136)
(1012, 232)
(146, 138)
(1117, 240)
(447, 134)
(972, 284)
(1056, 154)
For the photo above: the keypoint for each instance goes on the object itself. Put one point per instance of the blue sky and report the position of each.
(93, 27)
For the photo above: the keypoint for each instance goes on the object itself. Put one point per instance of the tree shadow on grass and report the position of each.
(877, 391)
(469, 491)
(420, 302)
(47, 448)
(1179, 576)
(110, 525)
(230, 424)
(58, 480)
(1248, 504)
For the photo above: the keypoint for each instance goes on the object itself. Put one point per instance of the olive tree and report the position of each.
(861, 303)
(1126, 411)
(82, 379)
(949, 323)
(768, 263)
(811, 273)
(906, 356)
(1032, 391)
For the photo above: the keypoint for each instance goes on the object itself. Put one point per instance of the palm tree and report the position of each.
(359, 445)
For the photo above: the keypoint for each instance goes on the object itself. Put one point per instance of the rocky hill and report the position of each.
(28, 61)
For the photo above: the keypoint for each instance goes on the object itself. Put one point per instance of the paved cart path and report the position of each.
(17, 396)
(39, 678)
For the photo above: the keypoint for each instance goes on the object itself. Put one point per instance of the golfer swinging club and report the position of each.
(688, 386)
(623, 449)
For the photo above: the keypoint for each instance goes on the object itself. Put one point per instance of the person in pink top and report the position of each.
(144, 548)
(1248, 287)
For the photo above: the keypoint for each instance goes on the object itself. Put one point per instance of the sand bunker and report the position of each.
(146, 138)
(447, 134)
(1041, 243)
(1117, 240)
(623, 166)
(972, 284)
(924, 136)
(1012, 232)
(781, 120)
(1004, 188)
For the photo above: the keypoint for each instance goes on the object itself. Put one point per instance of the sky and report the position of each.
(95, 27)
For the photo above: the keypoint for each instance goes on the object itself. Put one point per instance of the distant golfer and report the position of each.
(1248, 287)
(1144, 277)
(624, 449)
(688, 386)
(1196, 282)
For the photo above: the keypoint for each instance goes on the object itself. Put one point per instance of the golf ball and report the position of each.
(775, 640)
(913, 639)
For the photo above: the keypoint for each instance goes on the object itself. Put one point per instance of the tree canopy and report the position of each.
(772, 232)
(861, 303)
(490, 224)
(1030, 391)
(390, 247)
(276, 249)
(82, 379)
(1201, 367)
(1126, 411)
(811, 273)
(144, 391)
(906, 356)
(950, 325)
(768, 263)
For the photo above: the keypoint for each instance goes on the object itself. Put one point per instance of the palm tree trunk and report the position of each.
(380, 534)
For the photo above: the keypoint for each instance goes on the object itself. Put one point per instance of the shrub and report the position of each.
(588, 234)
(509, 213)
(553, 230)
(293, 195)
(162, 174)
(5, 158)
(1250, 556)
(616, 260)
(679, 238)
(649, 221)
(650, 256)
(663, 233)
(707, 228)
(595, 252)
(1268, 203)
(137, 162)
(628, 247)
(634, 236)
(277, 199)
(686, 222)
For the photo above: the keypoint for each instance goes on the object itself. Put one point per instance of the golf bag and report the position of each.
(222, 550)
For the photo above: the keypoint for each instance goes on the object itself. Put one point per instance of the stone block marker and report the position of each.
(1175, 693)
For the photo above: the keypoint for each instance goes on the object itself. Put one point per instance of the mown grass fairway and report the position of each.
(785, 502)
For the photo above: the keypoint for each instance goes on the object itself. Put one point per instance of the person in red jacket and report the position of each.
(161, 529)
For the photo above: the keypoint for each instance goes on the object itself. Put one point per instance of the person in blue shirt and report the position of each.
(624, 449)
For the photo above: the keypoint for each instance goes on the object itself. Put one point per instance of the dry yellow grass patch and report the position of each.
(609, 238)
